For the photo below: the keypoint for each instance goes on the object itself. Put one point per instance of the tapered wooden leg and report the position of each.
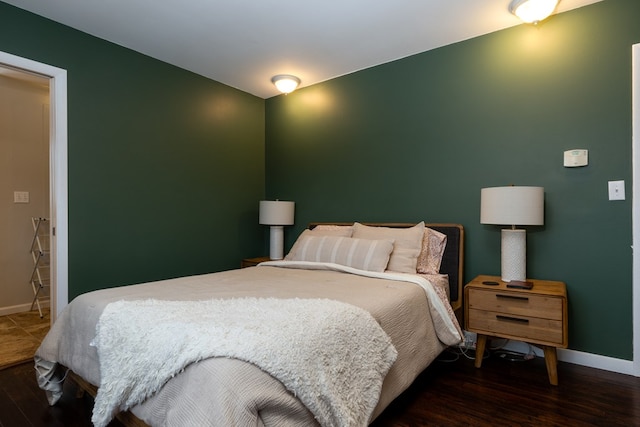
(551, 359)
(481, 343)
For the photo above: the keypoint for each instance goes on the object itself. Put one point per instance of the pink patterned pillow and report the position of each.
(430, 258)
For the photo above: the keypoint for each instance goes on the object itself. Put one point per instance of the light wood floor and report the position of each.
(20, 336)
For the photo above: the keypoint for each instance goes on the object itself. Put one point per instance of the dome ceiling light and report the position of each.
(286, 83)
(533, 11)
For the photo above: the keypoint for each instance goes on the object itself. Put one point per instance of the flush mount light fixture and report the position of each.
(533, 11)
(285, 83)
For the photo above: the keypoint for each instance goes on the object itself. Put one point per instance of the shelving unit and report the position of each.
(40, 275)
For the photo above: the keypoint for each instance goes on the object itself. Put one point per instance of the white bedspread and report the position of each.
(333, 356)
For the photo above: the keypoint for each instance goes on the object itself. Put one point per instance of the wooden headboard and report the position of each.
(452, 261)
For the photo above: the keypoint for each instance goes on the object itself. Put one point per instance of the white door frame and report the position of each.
(58, 208)
(636, 207)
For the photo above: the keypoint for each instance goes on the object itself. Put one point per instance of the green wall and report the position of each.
(416, 139)
(165, 167)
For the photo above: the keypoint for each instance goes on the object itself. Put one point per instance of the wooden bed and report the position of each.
(406, 310)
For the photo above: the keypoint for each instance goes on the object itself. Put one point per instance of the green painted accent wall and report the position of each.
(166, 167)
(416, 139)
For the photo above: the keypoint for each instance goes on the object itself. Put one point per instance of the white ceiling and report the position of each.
(242, 43)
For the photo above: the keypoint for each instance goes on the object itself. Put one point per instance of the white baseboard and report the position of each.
(597, 361)
(591, 360)
(4, 311)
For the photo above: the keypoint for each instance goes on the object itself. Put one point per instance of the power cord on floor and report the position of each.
(453, 354)
(515, 356)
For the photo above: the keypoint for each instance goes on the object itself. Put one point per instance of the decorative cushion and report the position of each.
(433, 245)
(407, 243)
(363, 254)
(322, 230)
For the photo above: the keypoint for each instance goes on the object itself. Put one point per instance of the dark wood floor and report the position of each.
(501, 393)
(505, 393)
(23, 404)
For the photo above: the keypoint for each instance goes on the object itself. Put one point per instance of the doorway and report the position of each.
(24, 183)
(58, 190)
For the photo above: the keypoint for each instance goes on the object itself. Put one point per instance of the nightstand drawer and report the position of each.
(516, 303)
(523, 327)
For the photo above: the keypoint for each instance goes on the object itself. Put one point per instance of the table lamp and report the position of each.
(512, 206)
(276, 213)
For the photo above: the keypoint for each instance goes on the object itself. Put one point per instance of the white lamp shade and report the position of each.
(512, 205)
(276, 212)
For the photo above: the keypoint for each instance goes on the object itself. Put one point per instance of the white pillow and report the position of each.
(333, 230)
(322, 230)
(407, 243)
(363, 254)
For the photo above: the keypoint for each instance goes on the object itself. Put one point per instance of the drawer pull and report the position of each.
(511, 319)
(512, 297)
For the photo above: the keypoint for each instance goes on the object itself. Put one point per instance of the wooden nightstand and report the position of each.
(537, 316)
(250, 262)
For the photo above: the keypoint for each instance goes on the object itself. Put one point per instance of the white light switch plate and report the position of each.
(20, 197)
(616, 190)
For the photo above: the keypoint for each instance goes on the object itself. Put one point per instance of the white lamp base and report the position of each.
(514, 255)
(276, 242)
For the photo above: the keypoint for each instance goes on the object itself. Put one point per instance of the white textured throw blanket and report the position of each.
(333, 356)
